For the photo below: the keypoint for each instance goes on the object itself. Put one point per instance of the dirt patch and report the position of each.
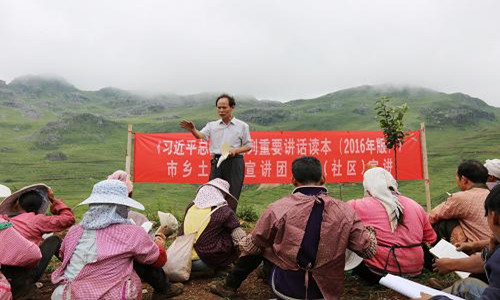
(255, 288)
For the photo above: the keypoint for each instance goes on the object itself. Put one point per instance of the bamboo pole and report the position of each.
(129, 149)
(426, 167)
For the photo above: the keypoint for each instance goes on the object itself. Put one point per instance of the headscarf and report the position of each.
(209, 196)
(102, 215)
(124, 177)
(493, 166)
(377, 183)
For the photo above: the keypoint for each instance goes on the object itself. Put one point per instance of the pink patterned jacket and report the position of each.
(112, 276)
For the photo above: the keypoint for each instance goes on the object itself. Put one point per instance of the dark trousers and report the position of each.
(444, 229)
(231, 170)
(366, 274)
(23, 279)
(155, 277)
(244, 266)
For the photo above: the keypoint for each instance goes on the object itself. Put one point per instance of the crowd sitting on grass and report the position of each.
(298, 245)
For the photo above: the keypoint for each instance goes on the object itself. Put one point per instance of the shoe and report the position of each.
(175, 289)
(222, 290)
(436, 283)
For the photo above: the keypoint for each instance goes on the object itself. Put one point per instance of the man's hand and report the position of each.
(188, 125)
(423, 296)
(443, 265)
(232, 152)
(465, 246)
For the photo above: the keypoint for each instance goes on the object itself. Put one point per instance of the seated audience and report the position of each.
(26, 209)
(15, 251)
(401, 226)
(472, 288)
(493, 167)
(148, 273)
(303, 237)
(212, 215)
(124, 177)
(461, 217)
(98, 254)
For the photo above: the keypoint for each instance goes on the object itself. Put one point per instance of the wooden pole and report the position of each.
(426, 167)
(129, 149)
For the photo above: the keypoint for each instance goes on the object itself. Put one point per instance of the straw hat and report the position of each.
(42, 189)
(111, 191)
(4, 191)
(223, 186)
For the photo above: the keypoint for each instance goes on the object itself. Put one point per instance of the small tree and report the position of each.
(390, 119)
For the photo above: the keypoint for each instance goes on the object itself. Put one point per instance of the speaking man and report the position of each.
(227, 131)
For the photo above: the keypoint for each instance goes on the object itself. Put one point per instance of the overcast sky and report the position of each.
(280, 50)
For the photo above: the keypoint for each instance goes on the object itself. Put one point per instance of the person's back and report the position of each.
(340, 229)
(415, 230)
(217, 227)
(98, 254)
(110, 264)
(303, 238)
(31, 221)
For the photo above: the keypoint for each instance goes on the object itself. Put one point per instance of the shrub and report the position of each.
(247, 213)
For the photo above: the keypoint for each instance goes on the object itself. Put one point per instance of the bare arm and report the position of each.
(239, 150)
(471, 264)
(189, 126)
(472, 247)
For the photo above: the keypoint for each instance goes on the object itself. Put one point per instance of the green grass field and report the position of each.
(90, 129)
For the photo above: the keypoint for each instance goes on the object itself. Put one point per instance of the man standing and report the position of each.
(228, 130)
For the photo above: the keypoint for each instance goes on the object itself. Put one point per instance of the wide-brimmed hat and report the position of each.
(111, 191)
(42, 189)
(4, 191)
(223, 186)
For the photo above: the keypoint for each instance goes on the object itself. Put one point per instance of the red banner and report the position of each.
(180, 158)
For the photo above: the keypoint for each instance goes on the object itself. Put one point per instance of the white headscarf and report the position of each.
(377, 182)
(209, 196)
(493, 166)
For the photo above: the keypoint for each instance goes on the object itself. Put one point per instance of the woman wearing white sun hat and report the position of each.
(98, 254)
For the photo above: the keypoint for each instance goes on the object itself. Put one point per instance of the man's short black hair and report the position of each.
(230, 99)
(30, 201)
(492, 202)
(307, 170)
(474, 170)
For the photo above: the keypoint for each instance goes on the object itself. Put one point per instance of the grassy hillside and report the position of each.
(54, 133)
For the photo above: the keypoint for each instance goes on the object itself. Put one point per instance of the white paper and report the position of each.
(443, 249)
(225, 148)
(147, 226)
(410, 288)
